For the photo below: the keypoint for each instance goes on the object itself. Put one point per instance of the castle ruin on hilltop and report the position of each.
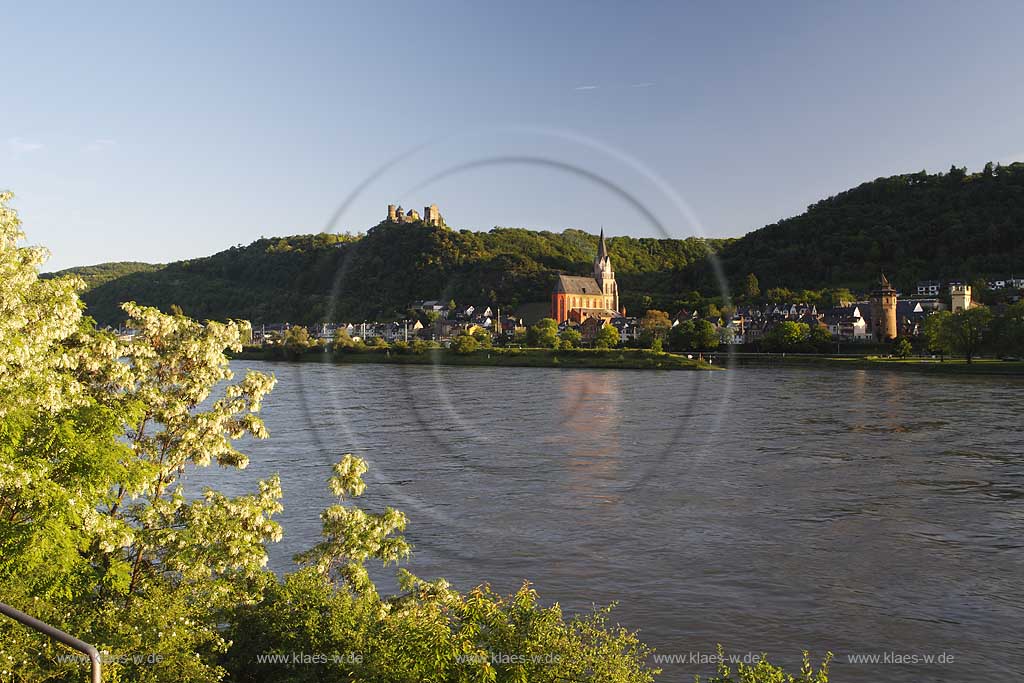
(431, 215)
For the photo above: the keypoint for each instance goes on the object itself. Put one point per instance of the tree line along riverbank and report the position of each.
(631, 359)
(635, 359)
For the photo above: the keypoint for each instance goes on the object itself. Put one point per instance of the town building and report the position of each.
(1006, 283)
(848, 323)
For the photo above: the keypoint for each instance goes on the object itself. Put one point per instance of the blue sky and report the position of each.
(159, 131)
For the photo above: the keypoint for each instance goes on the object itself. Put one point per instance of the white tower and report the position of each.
(960, 297)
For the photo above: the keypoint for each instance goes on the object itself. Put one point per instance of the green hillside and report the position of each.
(310, 278)
(911, 227)
(101, 273)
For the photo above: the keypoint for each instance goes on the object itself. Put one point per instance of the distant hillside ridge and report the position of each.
(312, 278)
(910, 226)
(101, 273)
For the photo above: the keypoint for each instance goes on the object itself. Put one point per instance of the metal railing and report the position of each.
(58, 635)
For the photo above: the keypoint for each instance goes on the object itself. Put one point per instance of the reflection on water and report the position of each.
(861, 512)
(590, 406)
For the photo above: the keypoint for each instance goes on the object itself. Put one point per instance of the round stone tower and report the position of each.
(883, 311)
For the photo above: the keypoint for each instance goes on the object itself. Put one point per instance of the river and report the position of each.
(870, 513)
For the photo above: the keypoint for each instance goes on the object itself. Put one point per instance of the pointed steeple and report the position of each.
(602, 248)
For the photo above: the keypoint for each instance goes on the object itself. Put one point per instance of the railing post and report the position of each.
(58, 635)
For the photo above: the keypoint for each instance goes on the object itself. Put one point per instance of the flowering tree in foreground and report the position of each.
(97, 534)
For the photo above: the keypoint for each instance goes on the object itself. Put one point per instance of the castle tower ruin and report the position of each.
(431, 215)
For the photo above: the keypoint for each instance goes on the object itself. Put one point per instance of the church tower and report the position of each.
(605, 276)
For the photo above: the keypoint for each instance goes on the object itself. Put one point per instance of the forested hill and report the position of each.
(94, 276)
(911, 227)
(310, 278)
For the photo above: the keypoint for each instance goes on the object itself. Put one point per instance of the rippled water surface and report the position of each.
(767, 510)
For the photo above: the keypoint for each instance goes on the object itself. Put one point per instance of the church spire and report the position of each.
(602, 248)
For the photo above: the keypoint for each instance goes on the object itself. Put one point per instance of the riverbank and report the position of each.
(641, 359)
(953, 366)
(625, 359)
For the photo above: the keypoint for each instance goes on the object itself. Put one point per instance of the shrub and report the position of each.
(464, 344)
(764, 672)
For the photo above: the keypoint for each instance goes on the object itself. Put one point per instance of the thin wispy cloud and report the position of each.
(645, 84)
(99, 145)
(585, 87)
(22, 146)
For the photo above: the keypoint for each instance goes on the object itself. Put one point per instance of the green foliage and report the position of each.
(296, 341)
(819, 338)
(655, 325)
(342, 341)
(751, 286)
(351, 535)
(307, 279)
(764, 672)
(1008, 331)
(97, 535)
(101, 273)
(779, 294)
(570, 339)
(483, 338)
(465, 344)
(912, 227)
(787, 336)
(962, 333)
(544, 334)
(934, 334)
(902, 348)
(694, 335)
(607, 338)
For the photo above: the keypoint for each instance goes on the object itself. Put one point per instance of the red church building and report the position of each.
(577, 298)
